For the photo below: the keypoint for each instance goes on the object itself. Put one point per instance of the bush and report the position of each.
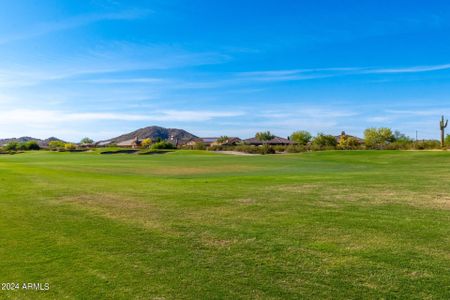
(246, 149)
(56, 145)
(13, 146)
(217, 148)
(279, 148)
(162, 145)
(447, 140)
(324, 142)
(70, 147)
(200, 146)
(428, 144)
(32, 145)
(266, 149)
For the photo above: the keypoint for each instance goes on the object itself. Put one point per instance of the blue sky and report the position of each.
(101, 68)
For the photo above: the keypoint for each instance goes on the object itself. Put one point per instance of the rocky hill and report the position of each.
(152, 132)
(42, 143)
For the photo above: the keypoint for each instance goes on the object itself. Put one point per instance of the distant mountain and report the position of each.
(152, 132)
(24, 139)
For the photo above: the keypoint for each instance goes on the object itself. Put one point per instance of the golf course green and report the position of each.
(202, 225)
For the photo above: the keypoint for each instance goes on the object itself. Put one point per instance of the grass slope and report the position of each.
(190, 225)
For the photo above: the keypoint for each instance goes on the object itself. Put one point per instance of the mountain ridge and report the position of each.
(152, 132)
(24, 139)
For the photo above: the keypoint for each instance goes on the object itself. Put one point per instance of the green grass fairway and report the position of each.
(200, 225)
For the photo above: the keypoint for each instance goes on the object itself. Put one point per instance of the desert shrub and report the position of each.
(70, 146)
(266, 149)
(428, 144)
(279, 148)
(56, 145)
(400, 145)
(162, 145)
(12, 146)
(323, 142)
(216, 148)
(301, 137)
(296, 148)
(447, 140)
(246, 148)
(199, 146)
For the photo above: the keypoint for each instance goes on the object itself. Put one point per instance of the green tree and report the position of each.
(12, 146)
(401, 138)
(86, 140)
(31, 145)
(223, 139)
(348, 143)
(324, 141)
(264, 136)
(301, 137)
(378, 137)
(146, 143)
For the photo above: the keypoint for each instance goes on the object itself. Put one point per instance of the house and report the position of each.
(214, 141)
(174, 141)
(207, 141)
(133, 143)
(275, 141)
(230, 141)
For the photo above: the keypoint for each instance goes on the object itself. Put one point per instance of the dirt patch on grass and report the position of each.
(332, 195)
(237, 153)
(246, 201)
(300, 188)
(124, 209)
(177, 170)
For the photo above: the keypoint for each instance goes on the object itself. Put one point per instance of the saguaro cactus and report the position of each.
(443, 124)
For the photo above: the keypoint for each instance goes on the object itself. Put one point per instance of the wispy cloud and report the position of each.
(72, 22)
(414, 69)
(420, 112)
(124, 80)
(103, 64)
(318, 73)
(54, 116)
